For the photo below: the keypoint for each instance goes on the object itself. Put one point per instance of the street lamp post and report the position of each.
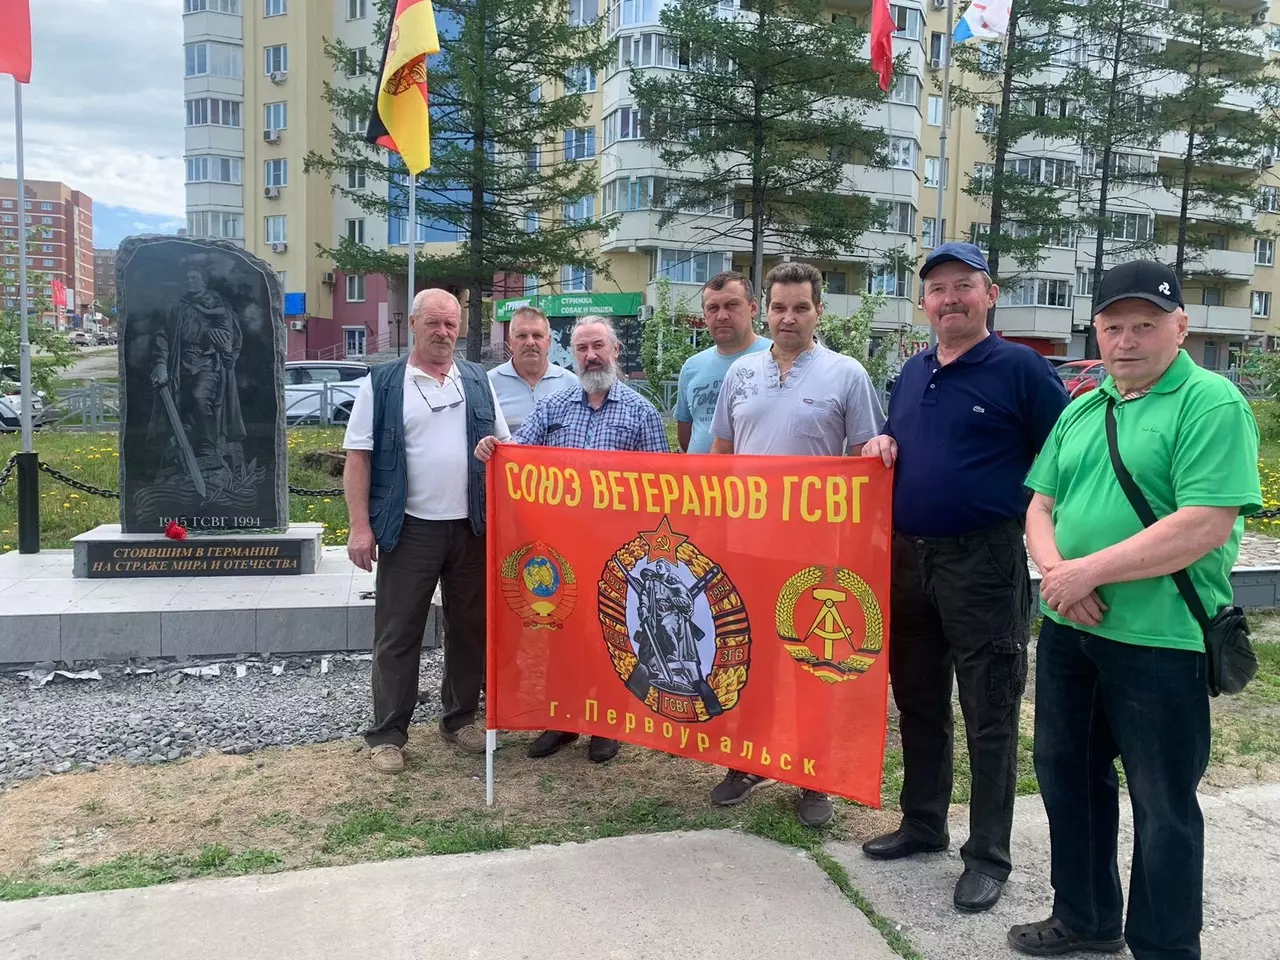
(399, 320)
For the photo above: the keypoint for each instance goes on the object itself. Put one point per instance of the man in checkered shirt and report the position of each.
(602, 414)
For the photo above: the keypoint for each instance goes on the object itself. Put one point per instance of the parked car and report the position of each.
(104, 338)
(1081, 376)
(321, 391)
(11, 407)
(80, 339)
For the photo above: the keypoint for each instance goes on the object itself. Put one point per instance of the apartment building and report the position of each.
(255, 75)
(59, 223)
(104, 276)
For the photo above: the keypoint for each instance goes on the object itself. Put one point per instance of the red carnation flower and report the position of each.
(175, 531)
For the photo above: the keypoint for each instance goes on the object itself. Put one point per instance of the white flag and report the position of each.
(984, 20)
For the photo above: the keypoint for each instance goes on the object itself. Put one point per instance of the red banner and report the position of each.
(15, 39)
(732, 610)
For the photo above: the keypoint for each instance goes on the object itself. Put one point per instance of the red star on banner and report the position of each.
(663, 542)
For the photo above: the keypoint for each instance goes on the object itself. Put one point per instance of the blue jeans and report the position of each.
(1096, 700)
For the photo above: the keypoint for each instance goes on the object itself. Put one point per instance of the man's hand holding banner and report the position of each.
(732, 610)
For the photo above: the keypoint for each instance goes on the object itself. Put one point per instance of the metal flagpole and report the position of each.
(413, 239)
(938, 238)
(28, 466)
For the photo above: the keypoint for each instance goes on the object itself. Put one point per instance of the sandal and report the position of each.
(1052, 938)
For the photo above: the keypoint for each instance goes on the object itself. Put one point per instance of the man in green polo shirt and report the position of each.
(1120, 668)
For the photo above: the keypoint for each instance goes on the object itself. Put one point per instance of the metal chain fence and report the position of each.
(8, 470)
(113, 495)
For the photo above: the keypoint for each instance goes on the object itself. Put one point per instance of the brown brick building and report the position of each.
(104, 276)
(59, 241)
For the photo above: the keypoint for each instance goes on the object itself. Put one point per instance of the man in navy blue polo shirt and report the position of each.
(966, 420)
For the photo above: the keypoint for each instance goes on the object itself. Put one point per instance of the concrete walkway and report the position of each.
(699, 896)
(1242, 878)
(683, 895)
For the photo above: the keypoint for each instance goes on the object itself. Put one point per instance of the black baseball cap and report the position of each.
(958, 252)
(1140, 280)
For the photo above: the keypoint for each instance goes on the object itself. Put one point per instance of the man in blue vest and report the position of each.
(415, 496)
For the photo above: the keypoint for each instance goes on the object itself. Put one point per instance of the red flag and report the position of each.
(882, 27)
(59, 293)
(15, 39)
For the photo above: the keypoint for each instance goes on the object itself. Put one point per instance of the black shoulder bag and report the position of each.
(1229, 657)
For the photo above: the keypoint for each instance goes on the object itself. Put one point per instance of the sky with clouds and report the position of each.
(103, 112)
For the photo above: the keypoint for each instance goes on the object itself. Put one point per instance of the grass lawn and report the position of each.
(94, 459)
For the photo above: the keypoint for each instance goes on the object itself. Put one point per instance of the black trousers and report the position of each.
(429, 551)
(1096, 700)
(961, 609)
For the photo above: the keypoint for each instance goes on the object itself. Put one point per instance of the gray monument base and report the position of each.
(107, 552)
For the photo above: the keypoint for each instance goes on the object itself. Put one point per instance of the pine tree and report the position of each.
(1225, 77)
(506, 96)
(1024, 104)
(763, 121)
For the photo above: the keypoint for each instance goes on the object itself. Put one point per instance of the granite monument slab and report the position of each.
(202, 411)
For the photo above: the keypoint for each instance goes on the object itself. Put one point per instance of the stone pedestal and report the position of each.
(106, 552)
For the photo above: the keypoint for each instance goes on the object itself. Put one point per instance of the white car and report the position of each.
(11, 407)
(321, 391)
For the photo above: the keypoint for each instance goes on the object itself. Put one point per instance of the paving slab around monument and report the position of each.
(48, 614)
(691, 896)
(1242, 876)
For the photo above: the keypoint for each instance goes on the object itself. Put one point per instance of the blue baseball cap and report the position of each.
(965, 253)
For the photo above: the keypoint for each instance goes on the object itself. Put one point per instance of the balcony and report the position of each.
(895, 314)
(1233, 321)
(1053, 323)
(212, 26)
(1228, 264)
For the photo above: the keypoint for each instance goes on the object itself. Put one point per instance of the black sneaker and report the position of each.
(736, 787)
(815, 809)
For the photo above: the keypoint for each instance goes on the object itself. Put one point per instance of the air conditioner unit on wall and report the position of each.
(939, 4)
(279, 247)
(327, 277)
(271, 136)
(278, 77)
(935, 63)
(297, 324)
(1259, 18)
(271, 192)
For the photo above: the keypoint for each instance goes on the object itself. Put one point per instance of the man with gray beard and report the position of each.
(602, 414)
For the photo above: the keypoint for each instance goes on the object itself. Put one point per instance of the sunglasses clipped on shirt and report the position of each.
(446, 406)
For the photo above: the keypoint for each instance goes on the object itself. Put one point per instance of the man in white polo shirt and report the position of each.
(795, 399)
(529, 375)
(415, 496)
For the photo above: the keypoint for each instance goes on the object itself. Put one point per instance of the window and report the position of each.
(1084, 281)
(582, 12)
(210, 59)
(275, 8)
(628, 194)
(580, 143)
(1067, 51)
(275, 59)
(47, 221)
(575, 280)
(927, 237)
(1261, 306)
(689, 266)
(1039, 293)
(653, 50)
(218, 113)
(275, 116)
(836, 281)
(211, 6)
(46, 205)
(625, 123)
(581, 209)
(207, 223)
(1269, 199)
(908, 23)
(277, 173)
(1133, 227)
(46, 263)
(355, 289)
(275, 229)
(355, 230)
(47, 248)
(935, 111)
(903, 153)
(1058, 173)
(907, 89)
(624, 13)
(902, 217)
(938, 48)
(1211, 296)
(935, 169)
(892, 282)
(357, 9)
(531, 285)
(532, 160)
(355, 124)
(214, 170)
(355, 177)
(580, 79)
(1264, 251)
(990, 57)
(984, 118)
(357, 62)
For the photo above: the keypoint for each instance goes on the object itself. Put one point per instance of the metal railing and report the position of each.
(88, 409)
